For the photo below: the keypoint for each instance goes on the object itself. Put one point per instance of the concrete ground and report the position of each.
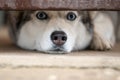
(18, 64)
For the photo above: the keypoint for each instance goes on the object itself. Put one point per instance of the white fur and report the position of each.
(103, 31)
(35, 34)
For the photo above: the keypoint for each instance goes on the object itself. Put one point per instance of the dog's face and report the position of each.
(52, 31)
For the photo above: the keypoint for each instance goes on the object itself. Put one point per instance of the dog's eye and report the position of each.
(41, 15)
(71, 16)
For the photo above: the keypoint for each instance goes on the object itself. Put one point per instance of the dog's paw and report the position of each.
(101, 43)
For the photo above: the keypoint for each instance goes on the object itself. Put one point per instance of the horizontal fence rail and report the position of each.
(60, 4)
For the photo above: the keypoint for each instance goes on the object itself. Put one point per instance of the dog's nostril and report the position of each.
(58, 38)
(55, 38)
(64, 38)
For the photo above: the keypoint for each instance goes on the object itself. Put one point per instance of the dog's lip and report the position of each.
(57, 49)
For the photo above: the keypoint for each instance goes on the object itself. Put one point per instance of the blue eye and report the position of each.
(41, 15)
(71, 16)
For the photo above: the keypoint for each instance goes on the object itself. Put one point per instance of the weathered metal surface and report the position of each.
(60, 4)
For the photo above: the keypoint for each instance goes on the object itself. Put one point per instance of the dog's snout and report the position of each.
(58, 38)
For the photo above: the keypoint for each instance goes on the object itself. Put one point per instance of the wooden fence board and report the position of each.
(60, 4)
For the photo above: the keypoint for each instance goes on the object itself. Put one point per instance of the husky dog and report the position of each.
(61, 31)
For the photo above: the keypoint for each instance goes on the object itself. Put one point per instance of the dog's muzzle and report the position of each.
(59, 38)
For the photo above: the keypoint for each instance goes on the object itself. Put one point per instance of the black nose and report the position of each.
(58, 38)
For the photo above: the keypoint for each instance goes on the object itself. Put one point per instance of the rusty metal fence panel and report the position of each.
(60, 4)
